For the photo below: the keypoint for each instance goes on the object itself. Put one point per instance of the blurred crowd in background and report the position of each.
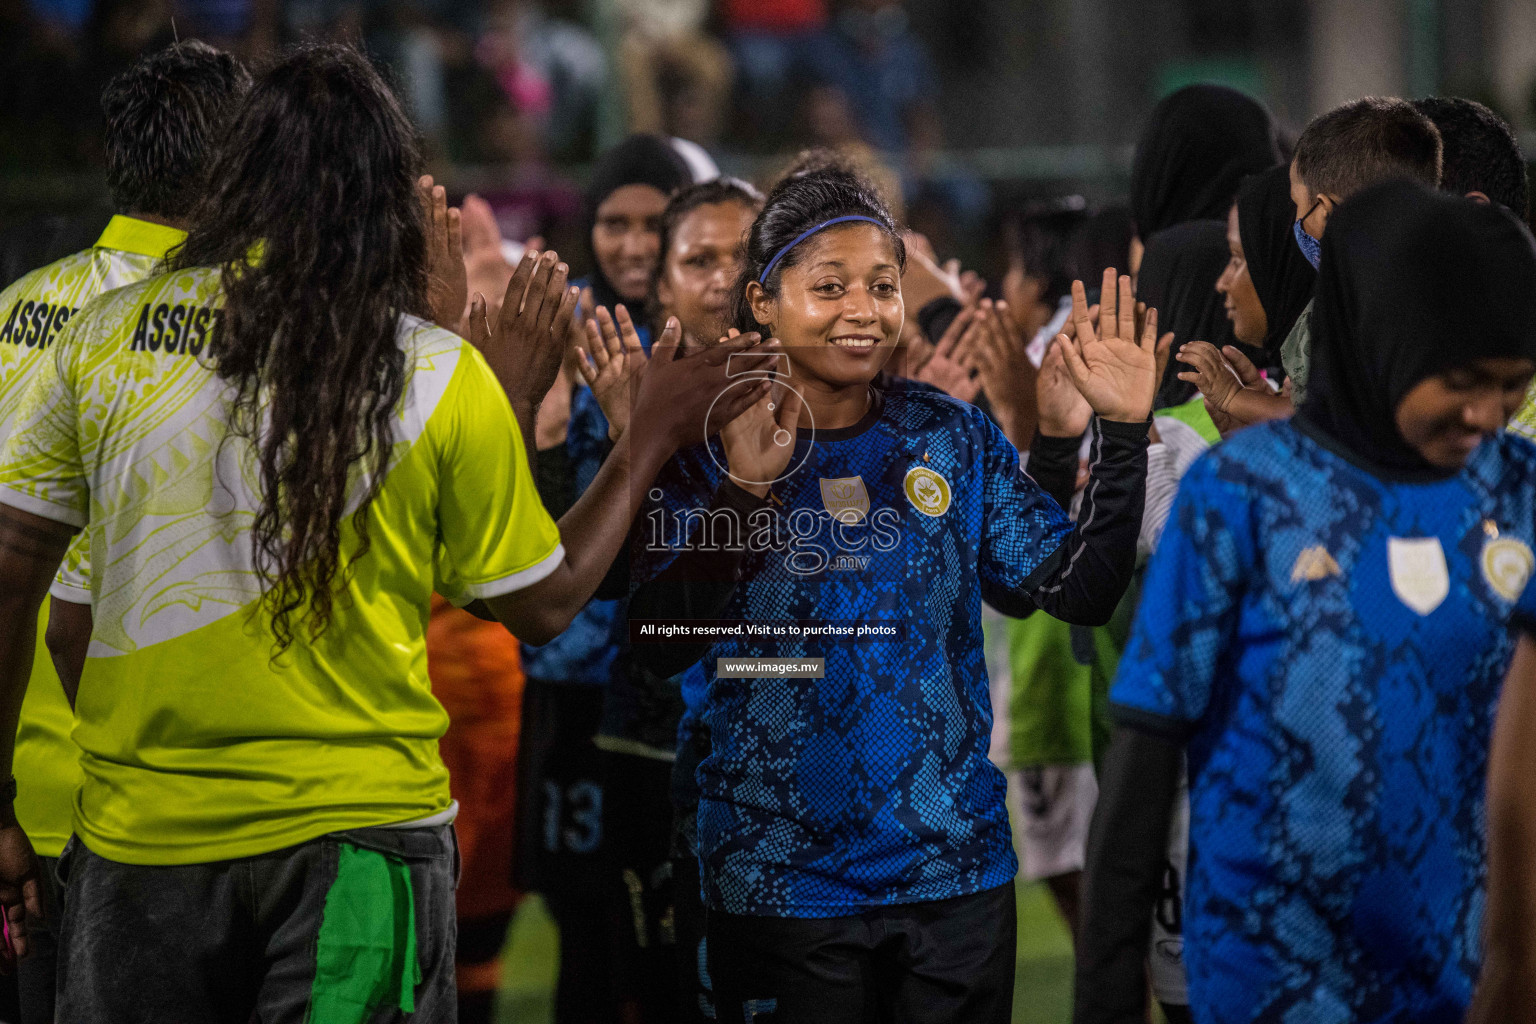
(963, 112)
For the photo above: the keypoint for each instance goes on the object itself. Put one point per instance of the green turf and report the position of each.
(1043, 994)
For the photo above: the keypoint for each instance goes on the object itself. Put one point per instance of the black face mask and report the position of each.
(1413, 283)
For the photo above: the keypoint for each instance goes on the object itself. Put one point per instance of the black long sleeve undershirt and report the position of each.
(1053, 465)
(1083, 580)
(1127, 853)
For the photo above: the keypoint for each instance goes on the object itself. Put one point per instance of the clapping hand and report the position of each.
(1005, 371)
(484, 264)
(684, 399)
(447, 283)
(525, 346)
(1064, 412)
(949, 367)
(610, 362)
(1213, 375)
(1112, 369)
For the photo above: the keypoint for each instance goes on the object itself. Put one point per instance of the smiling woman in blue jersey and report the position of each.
(854, 847)
(1325, 628)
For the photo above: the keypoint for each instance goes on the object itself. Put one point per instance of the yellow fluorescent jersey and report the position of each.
(33, 312)
(1524, 420)
(198, 745)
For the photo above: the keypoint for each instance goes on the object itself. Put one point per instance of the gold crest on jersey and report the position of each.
(1313, 564)
(927, 491)
(846, 498)
(1419, 575)
(1507, 565)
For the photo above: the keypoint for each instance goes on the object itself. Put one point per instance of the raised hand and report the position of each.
(1005, 372)
(684, 399)
(1111, 368)
(760, 442)
(484, 264)
(447, 283)
(1064, 412)
(525, 346)
(1215, 378)
(947, 367)
(610, 361)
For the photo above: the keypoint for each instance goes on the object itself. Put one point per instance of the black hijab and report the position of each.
(1412, 283)
(1281, 275)
(1178, 279)
(638, 160)
(1195, 149)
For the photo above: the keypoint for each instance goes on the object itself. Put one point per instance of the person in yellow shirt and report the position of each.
(275, 459)
(160, 115)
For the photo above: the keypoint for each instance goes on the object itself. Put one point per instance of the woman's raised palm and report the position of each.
(1114, 371)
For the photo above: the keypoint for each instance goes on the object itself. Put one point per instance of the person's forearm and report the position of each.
(525, 409)
(68, 638)
(31, 549)
(1018, 416)
(596, 527)
(593, 532)
(1085, 578)
(18, 635)
(1250, 406)
(1507, 989)
(1162, 487)
(1127, 850)
(698, 584)
(1053, 465)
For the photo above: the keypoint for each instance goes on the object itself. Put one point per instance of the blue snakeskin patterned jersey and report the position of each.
(870, 786)
(1333, 646)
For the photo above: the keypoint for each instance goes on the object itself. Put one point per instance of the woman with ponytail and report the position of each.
(854, 847)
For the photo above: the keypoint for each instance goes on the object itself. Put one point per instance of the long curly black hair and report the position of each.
(312, 214)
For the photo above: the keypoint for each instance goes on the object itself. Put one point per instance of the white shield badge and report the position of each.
(1419, 576)
(846, 498)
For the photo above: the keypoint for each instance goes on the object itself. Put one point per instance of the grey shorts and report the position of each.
(356, 925)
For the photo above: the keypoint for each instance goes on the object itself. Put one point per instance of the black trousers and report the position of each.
(561, 846)
(637, 833)
(230, 941)
(941, 962)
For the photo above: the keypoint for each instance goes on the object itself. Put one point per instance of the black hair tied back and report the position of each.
(797, 204)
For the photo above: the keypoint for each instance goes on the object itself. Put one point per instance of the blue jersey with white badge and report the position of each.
(871, 785)
(1332, 645)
